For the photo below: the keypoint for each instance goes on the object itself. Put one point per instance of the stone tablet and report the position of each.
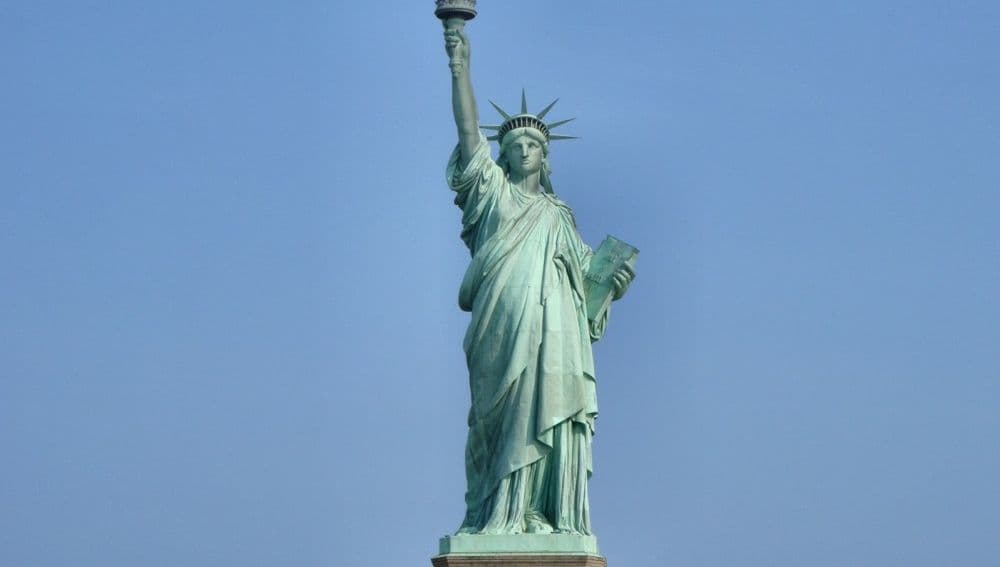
(608, 259)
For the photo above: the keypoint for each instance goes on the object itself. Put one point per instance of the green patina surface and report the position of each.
(562, 544)
(528, 345)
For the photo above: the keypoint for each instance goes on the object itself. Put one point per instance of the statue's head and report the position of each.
(524, 151)
(524, 141)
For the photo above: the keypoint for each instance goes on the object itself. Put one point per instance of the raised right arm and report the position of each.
(463, 101)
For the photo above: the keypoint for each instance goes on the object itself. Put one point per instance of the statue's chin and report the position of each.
(522, 172)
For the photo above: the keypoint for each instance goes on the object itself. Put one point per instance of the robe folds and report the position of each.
(528, 350)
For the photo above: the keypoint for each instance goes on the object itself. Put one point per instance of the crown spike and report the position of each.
(552, 125)
(546, 109)
(501, 111)
(561, 137)
(524, 102)
(489, 127)
(493, 138)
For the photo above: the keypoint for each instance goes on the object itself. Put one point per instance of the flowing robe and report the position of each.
(528, 349)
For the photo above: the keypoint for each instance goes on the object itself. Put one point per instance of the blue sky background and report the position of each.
(228, 322)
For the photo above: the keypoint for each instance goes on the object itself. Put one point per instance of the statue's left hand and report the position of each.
(623, 278)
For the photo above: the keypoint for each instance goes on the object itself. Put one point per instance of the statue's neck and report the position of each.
(531, 183)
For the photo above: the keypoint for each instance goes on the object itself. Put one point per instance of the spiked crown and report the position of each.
(524, 119)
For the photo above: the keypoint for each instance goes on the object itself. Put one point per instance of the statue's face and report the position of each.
(524, 155)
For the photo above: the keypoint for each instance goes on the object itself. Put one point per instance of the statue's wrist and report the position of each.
(458, 67)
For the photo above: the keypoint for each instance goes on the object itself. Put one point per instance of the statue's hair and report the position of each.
(539, 137)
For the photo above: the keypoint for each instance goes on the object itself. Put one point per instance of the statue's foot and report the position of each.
(572, 532)
(535, 523)
(538, 528)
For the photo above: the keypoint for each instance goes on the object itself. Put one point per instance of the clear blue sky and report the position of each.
(228, 322)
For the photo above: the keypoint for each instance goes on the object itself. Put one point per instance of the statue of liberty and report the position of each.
(528, 345)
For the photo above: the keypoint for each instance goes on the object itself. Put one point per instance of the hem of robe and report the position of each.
(581, 416)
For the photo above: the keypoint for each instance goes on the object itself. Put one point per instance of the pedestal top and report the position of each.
(524, 544)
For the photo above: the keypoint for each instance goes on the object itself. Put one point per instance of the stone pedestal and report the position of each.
(523, 550)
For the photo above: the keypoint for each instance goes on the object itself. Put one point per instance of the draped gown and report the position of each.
(528, 350)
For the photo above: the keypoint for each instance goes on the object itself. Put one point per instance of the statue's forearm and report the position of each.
(464, 104)
(466, 118)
